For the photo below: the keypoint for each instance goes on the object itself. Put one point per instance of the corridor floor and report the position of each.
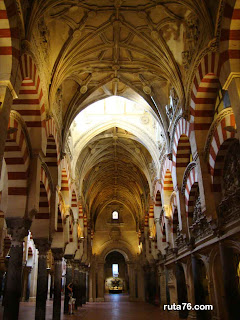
(116, 307)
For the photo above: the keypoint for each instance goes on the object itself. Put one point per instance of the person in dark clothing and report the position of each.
(71, 300)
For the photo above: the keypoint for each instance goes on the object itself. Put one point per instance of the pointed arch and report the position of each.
(218, 135)
(190, 192)
(229, 46)
(9, 40)
(53, 146)
(17, 158)
(30, 102)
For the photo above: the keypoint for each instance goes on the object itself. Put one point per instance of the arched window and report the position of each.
(115, 215)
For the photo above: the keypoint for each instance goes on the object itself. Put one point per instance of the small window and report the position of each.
(115, 215)
(115, 270)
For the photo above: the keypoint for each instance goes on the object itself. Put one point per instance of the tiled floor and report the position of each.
(116, 307)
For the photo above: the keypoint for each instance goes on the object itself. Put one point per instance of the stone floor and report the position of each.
(116, 307)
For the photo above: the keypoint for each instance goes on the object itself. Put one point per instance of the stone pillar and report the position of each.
(69, 278)
(76, 285)
(43, 247)
(57, 255)
(198, 289)
(152, 284)
(163, 285)
(18, 228)
(8, 93)
(100, 273)
(181, 290)
(84, 298)
(140, 280)
(87, 286)
(25, 282)
(80, 287)
(51, 285)
(182, 218)
(131, 272)
(92, 289)
(232, 297)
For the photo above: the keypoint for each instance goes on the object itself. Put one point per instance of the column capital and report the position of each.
(43, 245)
(69, 258)
(18, 228)
(57, 253)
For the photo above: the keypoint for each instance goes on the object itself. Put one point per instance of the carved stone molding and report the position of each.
(57, 253)
(214, 125)
(18, 228)
(17, 116)
(43, 246)
(189, 168)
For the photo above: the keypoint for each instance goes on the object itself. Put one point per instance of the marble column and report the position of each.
(69, 278)
(87, 286)
(57, 255)
(84, 299)
(76, 285)
(131, 273)
(229, 273)
(80, 287)
(18, 228)
(25, 282)
(163, 286)
(43, 246)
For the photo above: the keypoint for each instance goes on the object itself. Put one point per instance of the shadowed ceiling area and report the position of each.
(117, 47)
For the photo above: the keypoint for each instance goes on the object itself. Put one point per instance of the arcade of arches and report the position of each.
(119, 154)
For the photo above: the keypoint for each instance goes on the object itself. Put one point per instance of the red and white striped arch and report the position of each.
(17, 158)
(53, 148)
(230, 40)
(44, 210)
(181, 145)
(74, 200)
(146, 220)
(9, 39)
(85, 224)
(44, 198)
(158, 199)
(80, 214)
(217, 150)
(166, 167)
(204, 91)
(45, 181)
(30, 102)
(65, 182)
(151, 216)
(190, 188)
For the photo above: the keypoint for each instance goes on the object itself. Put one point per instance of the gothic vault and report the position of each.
(119, 154)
